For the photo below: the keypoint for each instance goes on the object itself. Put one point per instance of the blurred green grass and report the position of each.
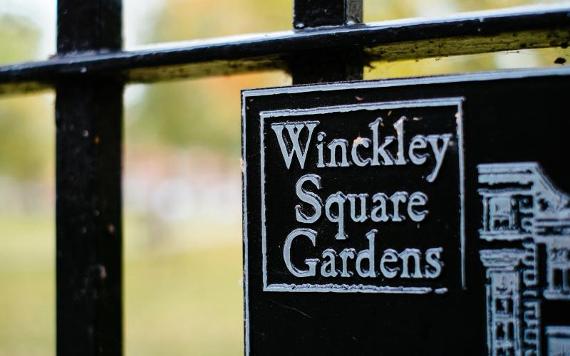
(186, 302)
(27, 299)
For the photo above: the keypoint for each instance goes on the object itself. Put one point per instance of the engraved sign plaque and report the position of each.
(421, 216)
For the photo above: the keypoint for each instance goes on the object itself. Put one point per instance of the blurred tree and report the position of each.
(25, 127)
(182, 20)
(184, 113)
(18, 38)
(202, 112)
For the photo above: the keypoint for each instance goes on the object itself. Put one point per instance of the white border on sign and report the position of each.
(243, 167)
(363, 288)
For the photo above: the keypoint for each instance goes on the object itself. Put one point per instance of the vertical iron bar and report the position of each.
(88, 186)
(326, 66)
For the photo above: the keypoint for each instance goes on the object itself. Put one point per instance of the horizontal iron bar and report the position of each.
(518, 28)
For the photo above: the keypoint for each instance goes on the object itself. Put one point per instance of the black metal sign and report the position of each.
(420, 216)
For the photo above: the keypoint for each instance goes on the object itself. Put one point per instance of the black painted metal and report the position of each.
(88, 205)
(317, 66)
(317, 13)
(88, 25)
(467, 34)
(506, 117)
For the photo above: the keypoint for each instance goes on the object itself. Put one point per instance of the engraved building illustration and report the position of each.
(526, 229)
